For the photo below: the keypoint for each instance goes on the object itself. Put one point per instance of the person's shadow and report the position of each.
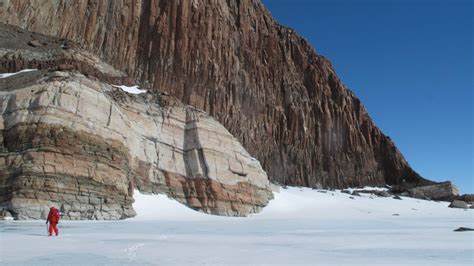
(37, 235)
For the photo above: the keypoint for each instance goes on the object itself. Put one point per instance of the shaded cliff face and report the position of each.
(266, 84)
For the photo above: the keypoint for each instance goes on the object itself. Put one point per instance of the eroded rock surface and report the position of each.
(468, 198)
(17, 53)
(84, 145)
(440, 191)
(266, 84)
(458, 204)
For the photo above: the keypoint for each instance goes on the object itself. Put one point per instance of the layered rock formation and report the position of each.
(82, 144)
(468, 198)
(261, 80)
(441, 191)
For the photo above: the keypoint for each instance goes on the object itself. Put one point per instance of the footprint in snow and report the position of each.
(132, 251)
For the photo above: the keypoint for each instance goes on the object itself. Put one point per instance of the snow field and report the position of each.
(299, 227)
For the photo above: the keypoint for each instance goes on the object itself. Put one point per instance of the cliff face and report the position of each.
(266, 84)
(70, 139)
(85, 145)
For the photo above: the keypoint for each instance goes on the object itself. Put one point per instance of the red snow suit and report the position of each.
(53, 219)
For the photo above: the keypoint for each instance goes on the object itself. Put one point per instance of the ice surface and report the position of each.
(130, 89)
(300, 226)
(6, 75)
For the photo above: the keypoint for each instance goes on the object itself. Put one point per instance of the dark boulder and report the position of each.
(383, 193)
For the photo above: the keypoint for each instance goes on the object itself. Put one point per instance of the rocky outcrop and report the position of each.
(459, 204)
(468, 198)
(82, 145)
(17, 53)
(5, 215)
(440, 191)
(266, 84)
(446, 191)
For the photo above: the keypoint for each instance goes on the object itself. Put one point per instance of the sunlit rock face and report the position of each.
(83, 145)
(263, 82)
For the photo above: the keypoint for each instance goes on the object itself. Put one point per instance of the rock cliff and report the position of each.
(262, 81)
(74, 140)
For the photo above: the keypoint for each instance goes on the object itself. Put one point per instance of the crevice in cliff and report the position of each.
(195, 160)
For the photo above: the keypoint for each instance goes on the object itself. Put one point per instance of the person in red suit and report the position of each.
(53, 219)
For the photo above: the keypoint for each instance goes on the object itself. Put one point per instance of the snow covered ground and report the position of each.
(299, 227)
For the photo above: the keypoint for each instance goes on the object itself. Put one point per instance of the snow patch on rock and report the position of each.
(130, 89)
(6, 75)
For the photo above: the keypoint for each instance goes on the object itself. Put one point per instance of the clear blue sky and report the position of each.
(411, 64)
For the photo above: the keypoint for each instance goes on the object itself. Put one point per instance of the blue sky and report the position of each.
(411, 64)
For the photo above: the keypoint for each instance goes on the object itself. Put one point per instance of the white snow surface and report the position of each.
(6, 75)
(130, 89)
(299, 227)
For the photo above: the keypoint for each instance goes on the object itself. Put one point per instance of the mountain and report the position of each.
(261, 80)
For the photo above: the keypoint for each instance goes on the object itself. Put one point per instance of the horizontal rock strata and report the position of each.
(83, 145)
(440, 191)
(468, 198)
